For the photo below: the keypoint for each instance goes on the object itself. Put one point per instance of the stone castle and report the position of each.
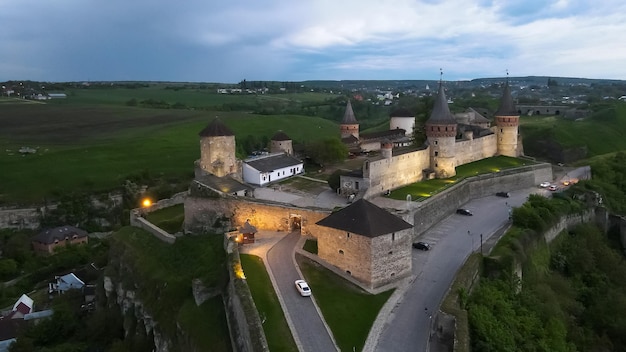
(452, 140)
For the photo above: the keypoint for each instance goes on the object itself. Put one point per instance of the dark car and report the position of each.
(503, 194)
(421, 245)
(464, 212)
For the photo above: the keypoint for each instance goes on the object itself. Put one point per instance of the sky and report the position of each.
(291, 40)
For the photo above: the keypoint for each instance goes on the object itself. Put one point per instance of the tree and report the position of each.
(328, 151)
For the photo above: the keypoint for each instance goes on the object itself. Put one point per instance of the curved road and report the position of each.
(409, 325)
(310, 332)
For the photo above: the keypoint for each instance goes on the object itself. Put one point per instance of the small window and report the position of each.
(348, 272)
(341, 251)
(347, 234)
(436, 142)
(501, 130)
(390, 252)
(393, 236)
(436, 153)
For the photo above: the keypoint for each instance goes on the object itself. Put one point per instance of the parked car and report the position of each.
(544, 184)
(303, 288)
(464, 212)
(553, 187)
(503, 194)
(421, 245)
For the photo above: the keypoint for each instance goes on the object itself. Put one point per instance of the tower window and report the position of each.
(393, 236)
(347, 234)
(341, 251)
(436, 153)
(501, 130)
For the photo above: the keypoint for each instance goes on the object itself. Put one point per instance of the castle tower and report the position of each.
(281, 143)
(441, 135)
(217, 149)
(507, 125)
(386, 149)
(349, 124)
(404, 119)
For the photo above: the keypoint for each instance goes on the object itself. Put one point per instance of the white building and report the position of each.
(270, 168)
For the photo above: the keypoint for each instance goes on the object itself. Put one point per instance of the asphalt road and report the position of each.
(408, 327)
(311, 333)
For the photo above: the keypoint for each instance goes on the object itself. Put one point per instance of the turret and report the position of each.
(441, 135)
(507, 125)
(386, 149)
(281, 143)
(349, 124)
(217, 149)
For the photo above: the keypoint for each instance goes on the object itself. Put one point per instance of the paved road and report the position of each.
(408, 327)
(311, 333)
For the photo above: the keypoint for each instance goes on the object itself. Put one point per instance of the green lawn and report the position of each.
(424, 189)
(96, 148)
(277, 331)
(348, 310)
(310, 246)
(169, 219)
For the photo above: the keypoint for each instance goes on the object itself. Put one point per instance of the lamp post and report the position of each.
(472, 237)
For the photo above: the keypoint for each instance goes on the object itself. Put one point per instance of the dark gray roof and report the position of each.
(216, 128)
(507, 108)
(398, 132)
(366, 219)
(441, 112)
(281, 136)
(273, 162)
(478, 117)
(247, 228)
(59, 233)
(348, 116)
(401, 113)
(351, 139)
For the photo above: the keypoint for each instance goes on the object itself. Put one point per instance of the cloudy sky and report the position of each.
(293, 40)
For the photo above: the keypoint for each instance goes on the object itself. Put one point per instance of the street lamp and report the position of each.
(481, 244)
(472, 237)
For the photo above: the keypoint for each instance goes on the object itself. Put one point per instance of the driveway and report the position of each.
(408, 326)
(310, 332)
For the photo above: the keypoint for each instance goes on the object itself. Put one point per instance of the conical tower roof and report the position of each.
(216, 128)
(507, 108)
(348, 116)
(280, 136)
(441, 112)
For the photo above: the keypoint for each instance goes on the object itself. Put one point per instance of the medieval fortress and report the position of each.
(451, 141)
(368, 243)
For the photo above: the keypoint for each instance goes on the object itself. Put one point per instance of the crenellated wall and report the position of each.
(471, 150)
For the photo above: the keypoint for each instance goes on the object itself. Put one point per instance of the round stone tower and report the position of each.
(281, 143)
(386, 149)
(349, 125)
(441, 135)
(217, 149)
(404, 119)
(507, 125)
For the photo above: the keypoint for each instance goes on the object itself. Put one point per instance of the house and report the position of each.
(46, 241)
(23, 306)
(270, 168)
(57, 95)
(367, 242)
(64, 283)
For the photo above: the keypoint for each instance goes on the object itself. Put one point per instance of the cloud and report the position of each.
(286, 40)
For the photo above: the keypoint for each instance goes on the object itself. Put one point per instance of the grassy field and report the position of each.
(275, 326)
(348, 311)
(424, 189)
(169, 219)
(96, 147)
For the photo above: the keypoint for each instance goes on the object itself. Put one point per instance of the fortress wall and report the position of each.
(396, 172)
(476, 149)
(356, 256)
(394, 259)
(214, 214)
(432, 210)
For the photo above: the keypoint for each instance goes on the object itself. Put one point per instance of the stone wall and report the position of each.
(212, 214)
(471, 150)
(177, 198)
(27, 218)
(430, 211)
(140, 222)
(400, 170)
(391, 257)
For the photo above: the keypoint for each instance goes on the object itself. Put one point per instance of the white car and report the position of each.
(303, 288)
(544, 184)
